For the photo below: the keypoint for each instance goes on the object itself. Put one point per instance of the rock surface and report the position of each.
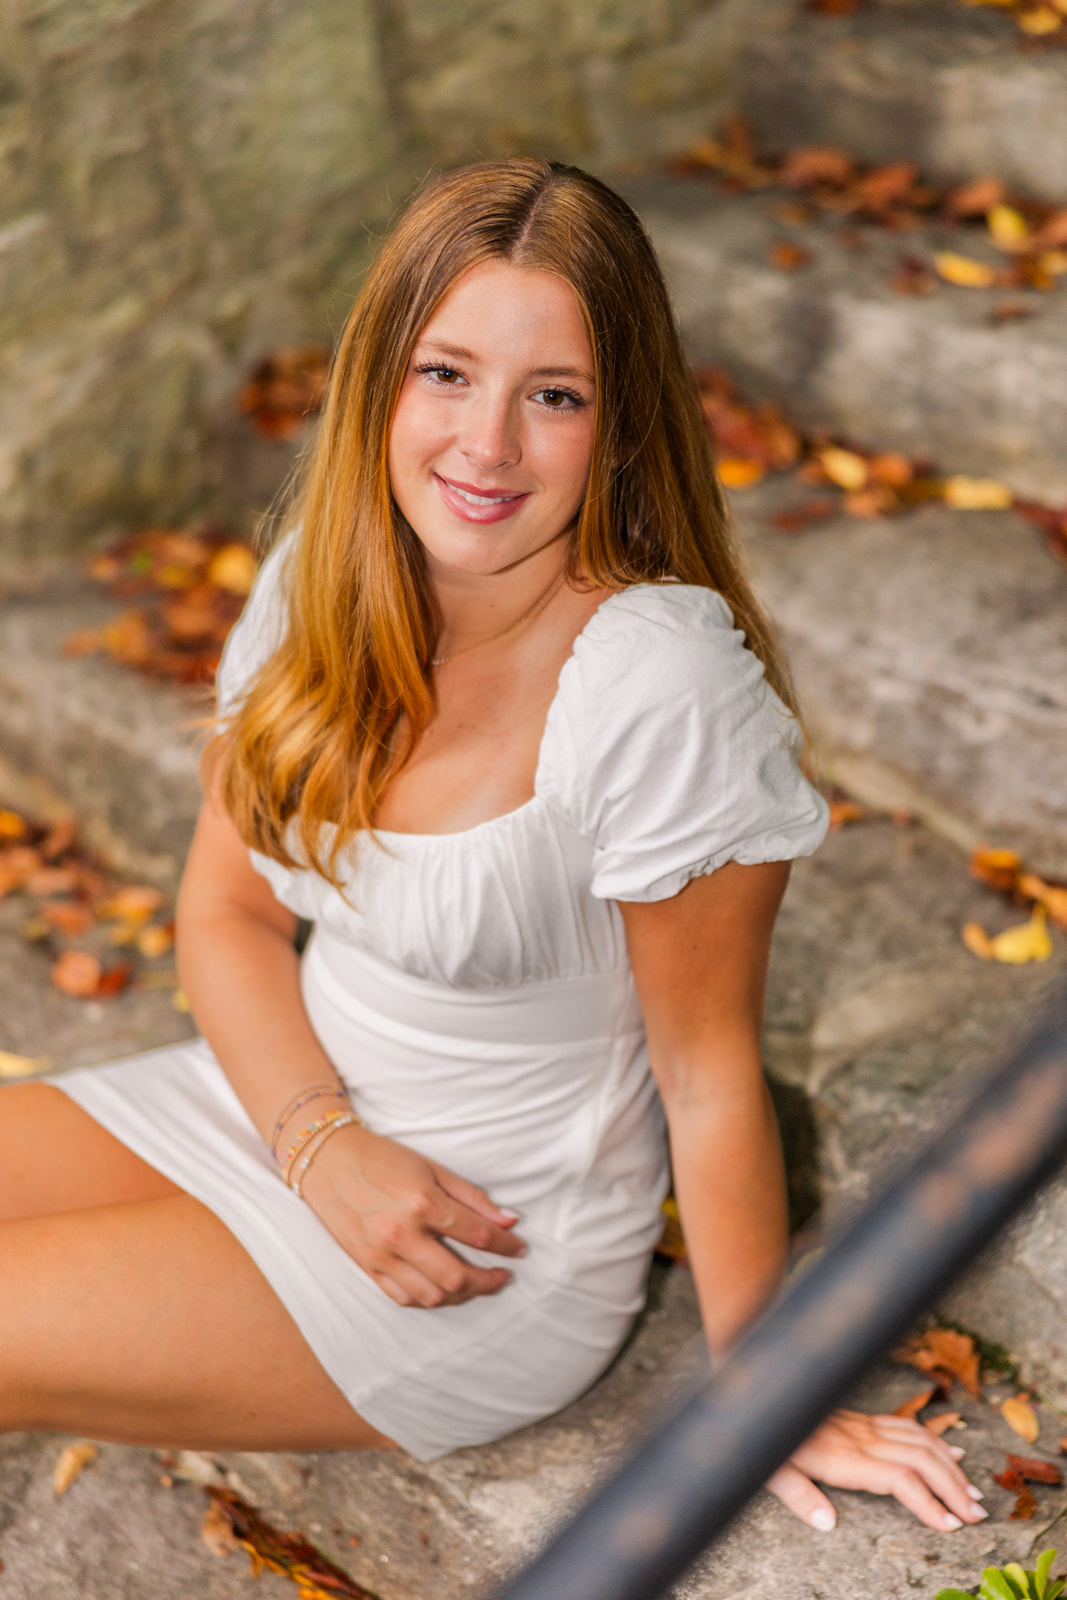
(937, 376)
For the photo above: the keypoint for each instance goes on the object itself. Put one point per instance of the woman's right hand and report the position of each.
(391, 1209)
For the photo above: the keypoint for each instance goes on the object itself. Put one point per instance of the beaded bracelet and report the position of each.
(304, 1137)
(294, 1175)
(300, 1099)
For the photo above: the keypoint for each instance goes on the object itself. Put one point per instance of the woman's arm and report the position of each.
(385, 1204)
(700, 965)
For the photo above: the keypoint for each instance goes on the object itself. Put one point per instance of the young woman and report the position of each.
(504, 721)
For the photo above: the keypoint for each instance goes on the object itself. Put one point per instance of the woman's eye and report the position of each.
(446, 376)
(560, 399)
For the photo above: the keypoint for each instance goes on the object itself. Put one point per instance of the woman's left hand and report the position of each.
(882, 1455)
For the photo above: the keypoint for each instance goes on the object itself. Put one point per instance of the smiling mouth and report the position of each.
(473, 499)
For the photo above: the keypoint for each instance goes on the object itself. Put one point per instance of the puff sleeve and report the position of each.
(667, 749)
(257, 633)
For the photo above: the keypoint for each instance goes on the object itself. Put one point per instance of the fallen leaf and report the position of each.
(12, 826)
(1052, 896)
(288, 1554)
(944, 1421)
(233, 569)
(810, 164)
(912, 1407)
(114, 980)
(977, 940)
(12, 1066)
(1020, 1416)
(999, 868)
(842, 812)
(71, 1463)
(843, 467)
(1008, 227)
(913, 276)
(155, 941)
(946, 1355)
(1035, 1471)
(891, 469)
(131, 903)
(964, 271)
(976, 198)
(1029, 941)
(68, 916)
(874, 501)
(787, 256)
(1042, 20)
(77, 973)
(735, 473)
(180, 1001)
(672, 1240)
(1025, 1507)
(216, 1531)
(976, 494)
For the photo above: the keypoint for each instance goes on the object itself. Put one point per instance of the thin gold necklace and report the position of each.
(527, 616)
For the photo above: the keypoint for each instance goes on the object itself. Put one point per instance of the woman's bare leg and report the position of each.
(57, 1158)
(128, 1310)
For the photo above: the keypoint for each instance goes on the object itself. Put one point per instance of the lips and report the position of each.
(478, 502)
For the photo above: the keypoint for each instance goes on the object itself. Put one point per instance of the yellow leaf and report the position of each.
(154, 942)
(1054, 262)
(736, 473)
(964, 271)
(844, 467)
(1020, 1415)
(976, 494)
(12, 825)
(977, 940)
(1051, 896)
(1029, 941)
(12, 1066)
(1043, 20)
(180, 1001)
(233, 568)
(1008, 227)
(72, 1463)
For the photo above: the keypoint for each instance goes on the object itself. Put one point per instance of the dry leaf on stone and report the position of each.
(288, 1554)
(12, 1066)
(945, 1355)
(1008, 227)
(999, 868)
(787, 256)
(72, 1462)
(1035, 1471)
(1030, 941)
(78, 974)
(911, 1408)
(964, 271)
(976, 494)
(216, 1531)
(977, 940)
(944, 1421)
(1021, 1417)
(736, 473)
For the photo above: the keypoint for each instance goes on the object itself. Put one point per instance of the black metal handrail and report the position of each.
(686, 1483)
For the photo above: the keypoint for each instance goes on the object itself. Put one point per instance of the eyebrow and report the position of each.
(458, 353)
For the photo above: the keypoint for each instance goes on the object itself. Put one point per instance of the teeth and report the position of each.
(479, 499)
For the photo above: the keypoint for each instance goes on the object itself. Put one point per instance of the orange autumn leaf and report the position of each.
(71, 1463)
(78, 974)
(977, 940)
(946, 1355)
(943, 1422)
(842, 812)
(911, 1408)
(1035, 1471)
(787, 256)
(69, 917)
(1021, 1417)
(736, 473)
(133, 902)
(999, 868)
(288, 1554)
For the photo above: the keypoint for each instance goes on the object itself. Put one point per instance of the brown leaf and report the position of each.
(811, 164)
(216, 1531)
(288, 1554)
(945, 1354)
(1025, 1507)
(887, 186)
(787, 256)
(78, 974)
(1000, 869)
(975, 198)
(842, 812)
(1035, 1471)
(943, 1422)
(59, 839)
(114, 980)
(912, 1407)
(913, 276)
(672, 1240)
(1020, 1416)
(890, 469)
(72, 1462)
(68, 916)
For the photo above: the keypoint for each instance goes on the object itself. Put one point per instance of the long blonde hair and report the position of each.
(339, 706)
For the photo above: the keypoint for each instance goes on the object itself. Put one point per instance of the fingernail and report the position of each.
(980, 1513)
(953, 1522)
(955, 1450)
(521, 1251)
(975, 1494)
(823, 1519)
(511, 1216)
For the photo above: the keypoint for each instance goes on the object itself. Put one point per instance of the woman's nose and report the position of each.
(491, 438)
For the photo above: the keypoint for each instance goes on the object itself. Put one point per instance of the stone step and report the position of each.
(115, 748)
(958, 90)
(932, 644)
(935, 375)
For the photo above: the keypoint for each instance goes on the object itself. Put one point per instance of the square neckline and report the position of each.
(535, 798)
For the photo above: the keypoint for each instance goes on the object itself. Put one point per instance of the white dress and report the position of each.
(474, 992)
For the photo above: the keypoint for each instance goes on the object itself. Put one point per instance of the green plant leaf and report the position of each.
(1041, 1576)
(954, 1594)
(996, 1585)
(1053, 1591)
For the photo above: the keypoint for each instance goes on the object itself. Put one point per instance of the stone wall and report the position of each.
(185, 184)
